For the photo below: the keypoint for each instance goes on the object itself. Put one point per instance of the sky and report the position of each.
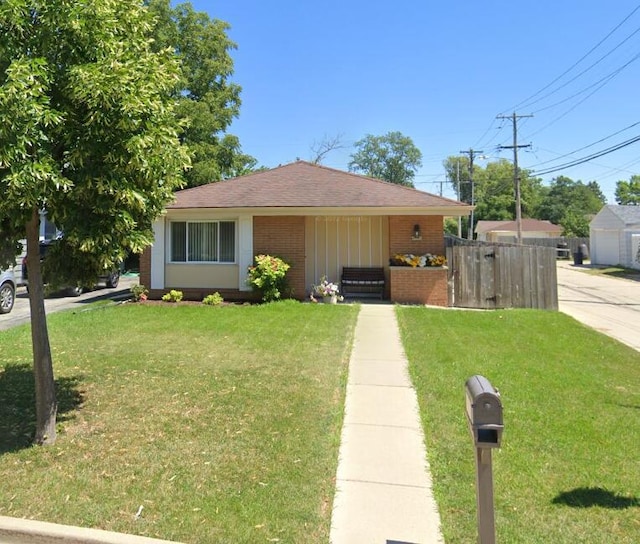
(440, 73)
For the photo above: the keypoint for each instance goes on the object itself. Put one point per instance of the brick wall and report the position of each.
(419, 285)
(283, 237)
(431, 230)
(193, 293)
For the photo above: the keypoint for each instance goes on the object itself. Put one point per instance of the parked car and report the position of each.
(110, 280)
(7, 291)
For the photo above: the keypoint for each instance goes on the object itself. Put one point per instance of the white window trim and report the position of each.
(187, 261)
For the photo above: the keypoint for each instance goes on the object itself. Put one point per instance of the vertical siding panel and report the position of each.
(332, 248)
(370, 241)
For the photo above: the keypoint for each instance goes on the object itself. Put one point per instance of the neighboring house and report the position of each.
(507, 231)
(615, 236)
(317, 219)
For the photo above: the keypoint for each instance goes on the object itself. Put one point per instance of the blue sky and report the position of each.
(440, 73)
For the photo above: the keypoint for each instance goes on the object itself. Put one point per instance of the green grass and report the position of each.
(223, 423)
(616, 272)
(569, 468)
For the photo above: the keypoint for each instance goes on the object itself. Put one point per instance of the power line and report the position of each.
(615, 72)
(588, 158)
(567, 112)
(587, 146)
(526, 102)
(604, 80)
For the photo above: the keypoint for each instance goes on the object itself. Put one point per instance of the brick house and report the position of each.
(507, 231)
(317, 219)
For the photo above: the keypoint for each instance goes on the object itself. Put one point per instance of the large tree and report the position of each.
(392, 157)
(570, 203)
(628, 192)
(207, 101)
(88, 132)
(492, 188)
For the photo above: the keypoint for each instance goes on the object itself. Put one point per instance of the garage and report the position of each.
(614, 232)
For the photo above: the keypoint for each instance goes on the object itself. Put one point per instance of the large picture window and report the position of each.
(211, 241)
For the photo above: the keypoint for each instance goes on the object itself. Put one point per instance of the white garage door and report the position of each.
(607, 248)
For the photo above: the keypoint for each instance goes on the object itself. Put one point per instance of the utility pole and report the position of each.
(516, 173)
(458, 189)
(472, 153)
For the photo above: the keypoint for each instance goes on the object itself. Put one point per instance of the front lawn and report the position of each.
(569, 468)
(189, 423)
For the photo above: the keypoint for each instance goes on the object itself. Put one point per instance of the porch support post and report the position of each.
(245, 250)
(158, 254)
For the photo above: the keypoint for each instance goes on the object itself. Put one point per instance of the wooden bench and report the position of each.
(362, 281)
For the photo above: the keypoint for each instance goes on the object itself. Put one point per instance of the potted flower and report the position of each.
(328, 291)
(418, 261)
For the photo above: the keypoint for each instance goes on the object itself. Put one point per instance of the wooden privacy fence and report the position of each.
(501, 276)
(573, 244)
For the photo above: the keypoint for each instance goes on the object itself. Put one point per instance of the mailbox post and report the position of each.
(484, 415)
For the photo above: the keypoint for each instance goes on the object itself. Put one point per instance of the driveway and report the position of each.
(21, 313)
(609, 305)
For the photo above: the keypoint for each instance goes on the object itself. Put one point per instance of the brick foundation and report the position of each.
(419, 285)
(197, 294)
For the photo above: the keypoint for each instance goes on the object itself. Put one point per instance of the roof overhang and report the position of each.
(448, 211)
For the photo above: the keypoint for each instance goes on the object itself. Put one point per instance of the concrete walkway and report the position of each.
(383, 487)
(609, 305)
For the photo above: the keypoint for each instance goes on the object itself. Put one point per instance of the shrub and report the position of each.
(213, 300)
(268, 276)
(172, 296)
(139, 292)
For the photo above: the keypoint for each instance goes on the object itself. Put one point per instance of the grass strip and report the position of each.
(569, 468)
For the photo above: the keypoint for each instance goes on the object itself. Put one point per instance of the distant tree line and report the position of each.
(564, 201)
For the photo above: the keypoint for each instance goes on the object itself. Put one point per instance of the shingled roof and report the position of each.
(629, 215)
(527, 225)
(305, 185)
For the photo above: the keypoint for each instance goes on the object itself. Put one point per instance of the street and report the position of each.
(54, 303)
(609, 305)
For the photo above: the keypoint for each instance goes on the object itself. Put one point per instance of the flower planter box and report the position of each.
(419, 285)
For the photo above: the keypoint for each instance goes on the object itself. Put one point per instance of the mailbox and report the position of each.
(484, 412)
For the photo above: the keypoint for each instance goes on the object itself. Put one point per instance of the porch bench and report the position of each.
(362, 281)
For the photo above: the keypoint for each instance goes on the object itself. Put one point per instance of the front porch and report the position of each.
(315, 247)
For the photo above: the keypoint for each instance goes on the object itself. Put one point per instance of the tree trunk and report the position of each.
(46, 404)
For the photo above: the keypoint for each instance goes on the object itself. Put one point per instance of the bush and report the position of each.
(172, 296)
(213, 300)
(139, 292)
(268, 276)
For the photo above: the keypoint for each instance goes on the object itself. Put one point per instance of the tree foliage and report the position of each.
(628, 192)
(457, 172)
(564, 202)
(89, 133)
(493, 190)
(207, 101)
(571, 203)
(392, 157)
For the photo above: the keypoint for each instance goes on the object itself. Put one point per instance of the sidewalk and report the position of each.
(383, 486)
(608, 305)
